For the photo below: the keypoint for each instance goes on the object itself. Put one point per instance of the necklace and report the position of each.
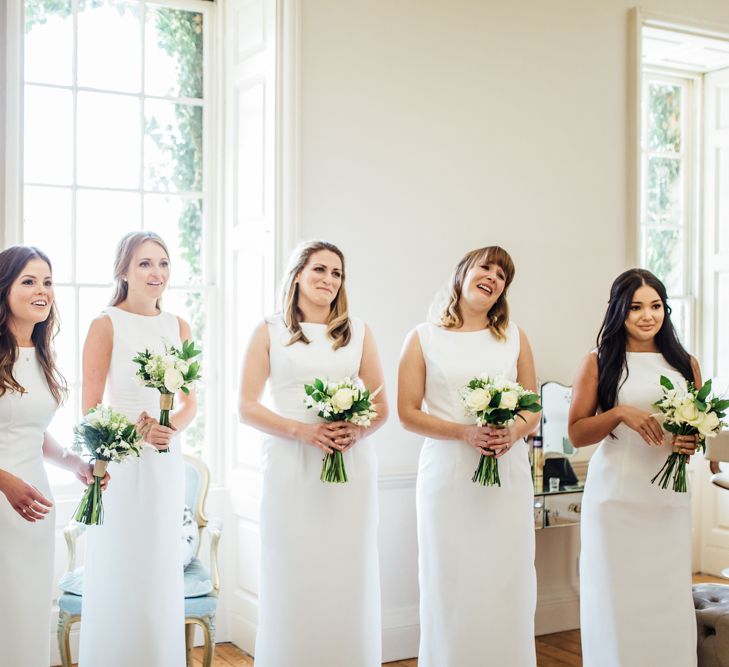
(27, 353)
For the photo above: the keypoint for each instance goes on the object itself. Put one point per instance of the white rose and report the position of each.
(173, 379)
(182, 366)
(342, 399)
(688, 413)
(478, 400)
(509, 400)
(709, 423)
(168, 361)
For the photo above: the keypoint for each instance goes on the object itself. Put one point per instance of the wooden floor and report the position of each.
(561, 649)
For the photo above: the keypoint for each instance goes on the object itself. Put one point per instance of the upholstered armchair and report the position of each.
(201, 585)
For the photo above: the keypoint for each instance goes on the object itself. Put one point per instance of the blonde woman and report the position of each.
(319, 590)
(476, 543)
(133, 609)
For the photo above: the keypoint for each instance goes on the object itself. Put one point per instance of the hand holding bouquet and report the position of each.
(107, 436)
(496, 402)
(170, 372)
(347, 400)
(687, 411)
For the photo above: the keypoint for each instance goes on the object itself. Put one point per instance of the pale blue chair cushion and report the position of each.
(70, 603)
(197, 581)
(201, 607)
(190, 536)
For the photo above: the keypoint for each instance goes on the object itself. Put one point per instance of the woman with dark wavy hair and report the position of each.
(636, 606)
(476, 543)
(320, 586)
(31, 389)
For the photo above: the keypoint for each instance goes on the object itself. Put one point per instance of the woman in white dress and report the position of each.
(320, 590)
(133, 604)
(636, 607)
(31, 389)
(476, 543)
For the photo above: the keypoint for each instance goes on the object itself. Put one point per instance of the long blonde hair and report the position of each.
(498, 316)
(124, 254)
(339, 328)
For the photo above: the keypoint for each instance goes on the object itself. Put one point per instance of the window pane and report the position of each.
(179, 222)
(681, 318)
(722, 328)
(190, 305)
(664, 117)
(173, 146)
(61, 428)
(108, 140)
(48, 41)
(91, 301)
(664, 257)
(116, 213)
(664, 191)
(66, 342)
(174, 53)
(109, 45)
(48, 149)
(47, 224)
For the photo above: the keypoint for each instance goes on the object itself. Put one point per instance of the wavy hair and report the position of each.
(498, 316)
(339, 328)
(12, 262)
(612, 338)
(124, 254)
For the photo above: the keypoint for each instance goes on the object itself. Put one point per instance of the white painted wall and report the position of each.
(429, 128)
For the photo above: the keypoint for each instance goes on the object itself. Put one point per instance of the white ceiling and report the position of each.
(684, 51)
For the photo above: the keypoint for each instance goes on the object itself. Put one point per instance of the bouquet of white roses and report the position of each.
(170, 372)
(107, 436)
(687, 411)
(499, 402)
(347, 400)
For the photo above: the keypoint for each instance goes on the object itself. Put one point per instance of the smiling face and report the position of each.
(148, 271)
(645, 316)
(483, 284)
(31, 295)
(320, 279)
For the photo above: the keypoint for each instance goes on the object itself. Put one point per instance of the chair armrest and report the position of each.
(71, 533)
(215, 528)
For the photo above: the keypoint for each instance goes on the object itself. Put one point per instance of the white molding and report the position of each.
(288, 134)
(633, 134)
(396, 481)
(400, 633)
(685, 24)
(13, 204)
(557, 611)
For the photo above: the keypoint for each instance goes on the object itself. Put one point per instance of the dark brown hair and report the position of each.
(338, 325)
(12, 262)
(498, 317)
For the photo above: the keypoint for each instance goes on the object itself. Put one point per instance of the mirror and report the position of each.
(555, 408)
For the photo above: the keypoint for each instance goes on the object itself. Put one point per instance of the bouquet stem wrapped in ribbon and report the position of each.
(170, 372)
(498, 402)
(107, 436)
(347, 400)
(687, 411)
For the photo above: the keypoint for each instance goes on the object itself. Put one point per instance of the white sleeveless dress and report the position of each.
(320, 587)
(133, 601)
(636, 606)
(476, 543)
(26, 549)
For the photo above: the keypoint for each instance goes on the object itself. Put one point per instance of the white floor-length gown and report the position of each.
(26, 549)
(133, 604)
(476, 543)
(636, 607)
(320, 587)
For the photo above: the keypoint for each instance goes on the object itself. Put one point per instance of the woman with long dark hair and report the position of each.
(31, 389)
(636, 607)
(320, 586)
(133, 610)
(476, 543)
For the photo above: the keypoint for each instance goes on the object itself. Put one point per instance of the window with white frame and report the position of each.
(667, 211)
(116, 120)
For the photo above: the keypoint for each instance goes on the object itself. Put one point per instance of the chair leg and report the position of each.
(209, 638)
(189, 639)
(65, 621)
